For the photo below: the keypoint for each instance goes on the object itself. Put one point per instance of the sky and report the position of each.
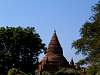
(64, 16)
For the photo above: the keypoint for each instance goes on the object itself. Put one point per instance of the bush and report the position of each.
(15, 71)
(68, 71)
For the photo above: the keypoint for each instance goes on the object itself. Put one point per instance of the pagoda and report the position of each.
(53, 59)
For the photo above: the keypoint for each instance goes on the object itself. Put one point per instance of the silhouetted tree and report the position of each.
(89, 43)
(19, 48)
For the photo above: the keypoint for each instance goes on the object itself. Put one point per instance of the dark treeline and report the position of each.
(89, 43)
(19, 48)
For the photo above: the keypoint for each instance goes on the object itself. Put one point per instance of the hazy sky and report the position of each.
(66, 16)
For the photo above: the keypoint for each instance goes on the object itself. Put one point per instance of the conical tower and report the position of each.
(72, 62)
(54, 45)
(53, 59)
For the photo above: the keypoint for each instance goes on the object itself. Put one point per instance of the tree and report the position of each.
(89, 43)
(19, 48)
(15, 71)
(68, 71)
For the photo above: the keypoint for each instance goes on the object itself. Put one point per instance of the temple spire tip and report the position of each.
(54, 31)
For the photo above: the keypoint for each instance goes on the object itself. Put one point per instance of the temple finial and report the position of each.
(54, 45)
(72, 62)
(54, 31)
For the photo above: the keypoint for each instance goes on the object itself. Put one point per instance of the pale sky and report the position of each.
(66, 16)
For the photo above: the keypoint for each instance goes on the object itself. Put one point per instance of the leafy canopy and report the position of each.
(89, 43)
(19, 48)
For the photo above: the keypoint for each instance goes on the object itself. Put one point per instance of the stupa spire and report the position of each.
(54, 31)
(72, 62)
(54, 45)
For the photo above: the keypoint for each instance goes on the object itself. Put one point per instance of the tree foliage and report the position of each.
(68, 71)
(89, 43)
(15, 71)
(19, 48)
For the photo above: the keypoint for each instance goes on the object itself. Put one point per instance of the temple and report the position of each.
(54, 59)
